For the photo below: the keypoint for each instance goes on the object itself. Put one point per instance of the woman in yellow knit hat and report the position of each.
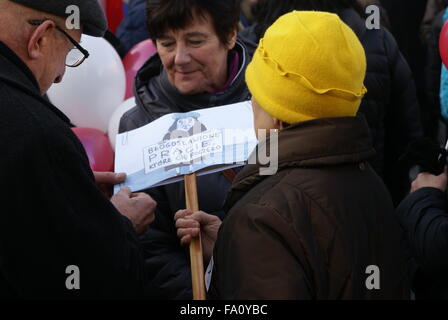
(391, 106)
(321, 227)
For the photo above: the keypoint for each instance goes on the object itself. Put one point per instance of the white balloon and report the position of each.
(89, 93)
(115, 119)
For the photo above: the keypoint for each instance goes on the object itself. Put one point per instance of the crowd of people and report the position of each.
(348, 103)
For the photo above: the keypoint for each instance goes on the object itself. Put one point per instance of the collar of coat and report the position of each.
(16, 74)
(310, 144)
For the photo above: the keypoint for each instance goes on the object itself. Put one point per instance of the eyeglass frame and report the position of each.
(85, 53)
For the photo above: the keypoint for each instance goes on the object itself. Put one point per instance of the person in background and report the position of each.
(200, 64)
(390, 105)
(433, 9)
(246, 18)
(133, 29)
(311, 230)
(423, 215)
(65, 221)
(435, 79)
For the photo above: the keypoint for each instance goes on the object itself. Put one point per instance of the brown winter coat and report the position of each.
(311, 230)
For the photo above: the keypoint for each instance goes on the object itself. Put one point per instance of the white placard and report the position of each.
(203, 141)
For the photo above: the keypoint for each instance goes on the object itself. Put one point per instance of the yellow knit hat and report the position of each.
(309, 65)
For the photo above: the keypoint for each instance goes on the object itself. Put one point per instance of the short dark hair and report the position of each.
(266, 12)
(163, 15)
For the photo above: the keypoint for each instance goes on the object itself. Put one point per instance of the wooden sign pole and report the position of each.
(197, 262)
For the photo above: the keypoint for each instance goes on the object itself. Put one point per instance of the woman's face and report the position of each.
(194, 58)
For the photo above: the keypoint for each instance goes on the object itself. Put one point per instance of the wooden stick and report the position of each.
(196, 259)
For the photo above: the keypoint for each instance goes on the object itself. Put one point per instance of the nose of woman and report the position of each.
(182, 55)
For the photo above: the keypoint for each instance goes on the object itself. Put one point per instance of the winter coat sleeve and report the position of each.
(165, 258)
(56, 216)
(424, 217)
(255, 257)
(128, 121)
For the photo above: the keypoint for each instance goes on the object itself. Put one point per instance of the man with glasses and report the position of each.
(60, 237)
(76, 55)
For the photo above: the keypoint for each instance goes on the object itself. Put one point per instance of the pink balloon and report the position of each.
(98, 149)
(443, 44)
(134, 60)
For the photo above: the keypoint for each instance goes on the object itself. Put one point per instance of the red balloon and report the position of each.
(134, 60)
(98, 148)
(443, 44)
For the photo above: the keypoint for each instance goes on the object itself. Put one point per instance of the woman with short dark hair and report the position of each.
(176, 15)
(199, 64)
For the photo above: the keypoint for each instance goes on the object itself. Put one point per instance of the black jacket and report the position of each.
(311, 230)
(390, 105)
(156, 97)
(424, 217)
(52, 213)
(405, 26)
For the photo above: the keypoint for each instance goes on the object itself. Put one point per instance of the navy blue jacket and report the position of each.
(133, 29)
(390, 105)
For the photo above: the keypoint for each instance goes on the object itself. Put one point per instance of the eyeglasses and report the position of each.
(77, 55)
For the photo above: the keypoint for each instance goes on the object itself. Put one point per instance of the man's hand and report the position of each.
(106, 180)
(138, 207)
(189, 224)
(425, 179)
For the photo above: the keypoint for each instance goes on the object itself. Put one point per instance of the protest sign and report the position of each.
(178, 144)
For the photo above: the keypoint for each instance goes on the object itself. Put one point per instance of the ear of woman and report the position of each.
(232, 39)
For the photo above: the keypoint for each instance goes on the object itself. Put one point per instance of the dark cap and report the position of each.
(92, 17)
